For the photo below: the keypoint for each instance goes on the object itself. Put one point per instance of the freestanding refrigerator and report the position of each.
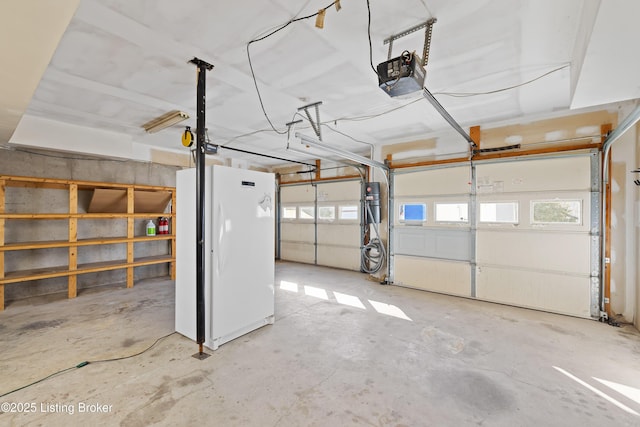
(239, 260)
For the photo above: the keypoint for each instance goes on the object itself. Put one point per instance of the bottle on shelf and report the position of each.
(163, 225)
(151, 228)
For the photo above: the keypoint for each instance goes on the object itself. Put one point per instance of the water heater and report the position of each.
(372, 202)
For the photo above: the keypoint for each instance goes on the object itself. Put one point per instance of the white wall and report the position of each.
(623, 226)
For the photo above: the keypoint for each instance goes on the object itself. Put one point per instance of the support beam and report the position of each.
(606, 274)
(202, 68)
(474, 133)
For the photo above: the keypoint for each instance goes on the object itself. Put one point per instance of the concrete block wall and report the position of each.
(63, 166)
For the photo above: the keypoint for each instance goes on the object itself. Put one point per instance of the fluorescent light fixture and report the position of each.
(164, 121)
(312, 142)
(445, 115)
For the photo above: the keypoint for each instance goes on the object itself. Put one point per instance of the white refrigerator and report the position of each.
(239, 259)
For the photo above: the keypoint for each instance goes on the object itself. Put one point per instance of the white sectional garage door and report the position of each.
(529, 237)
(321, 224)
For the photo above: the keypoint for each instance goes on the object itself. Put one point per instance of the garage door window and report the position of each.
(556, 212)
(289, 212)
(349, 212)
(452, 212)
(503, 212)
(327, 213)
(413, 212)
(307, 212)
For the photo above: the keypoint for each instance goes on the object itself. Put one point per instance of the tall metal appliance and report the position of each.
(240, 245)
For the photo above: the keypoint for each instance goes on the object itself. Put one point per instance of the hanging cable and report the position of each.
(253, 74)
(469, 94)
(373, 254)
(369, 36)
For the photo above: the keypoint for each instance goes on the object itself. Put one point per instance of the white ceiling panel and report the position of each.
(121, 63)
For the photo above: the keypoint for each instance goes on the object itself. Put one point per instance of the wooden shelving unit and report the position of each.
(110, 201)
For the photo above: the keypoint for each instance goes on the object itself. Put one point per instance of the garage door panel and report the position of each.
(433, 243)
(297, 232)
(535, 175)
(298, 252)
(559, 293)
(545, 251)
(339, 257)
(432, 253)
(448, 277)
(339, 191)
(297, 193)
(451, 180)
(346, 235)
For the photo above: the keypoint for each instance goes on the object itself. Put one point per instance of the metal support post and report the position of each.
(202, 68)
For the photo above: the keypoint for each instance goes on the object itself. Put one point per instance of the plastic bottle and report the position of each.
(151, 228)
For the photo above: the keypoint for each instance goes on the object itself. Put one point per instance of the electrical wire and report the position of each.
(373, 116)
(345, 134)
(136, 354)
(454, 94)
(373, 253)
(469, 94)
(85, 363)
(253, 74)
(369, 36)
(43, 379)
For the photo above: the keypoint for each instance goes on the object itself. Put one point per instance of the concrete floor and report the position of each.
(343, 351)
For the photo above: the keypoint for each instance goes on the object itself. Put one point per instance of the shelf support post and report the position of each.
(72, 287)
(130, 235)
(2, 222)
(172, 266)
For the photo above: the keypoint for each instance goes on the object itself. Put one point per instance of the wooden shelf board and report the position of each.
(35, 216)
(82, 242)
(33, 274)
(152, 238)
(95, 267)
(150, 260)
(86, 215)
(31, 181)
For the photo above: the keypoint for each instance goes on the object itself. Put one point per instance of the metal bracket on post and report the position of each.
(428, 32)
(427, 25)
(201, 96)
(291, 126)
(314, 124)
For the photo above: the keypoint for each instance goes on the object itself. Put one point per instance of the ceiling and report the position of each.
(120, 64)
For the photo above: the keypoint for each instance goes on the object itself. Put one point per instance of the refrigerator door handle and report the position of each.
(222, 241)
